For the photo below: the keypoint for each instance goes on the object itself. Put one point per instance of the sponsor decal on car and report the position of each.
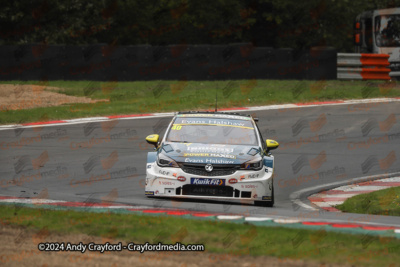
(215, 115)
(166, 183)
(182, 178)
(249, 186)
(215, 149)
(217, 155)
(163, 172)
(213, 161)
(213, 155)
(149, 193)
(268, 162)
(266, 198)
(196, 155)
(254, 175)
(214, 122)
(207, 181)
(233, 181)
(176, 127)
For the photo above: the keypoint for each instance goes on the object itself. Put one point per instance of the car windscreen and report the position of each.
(212, 131)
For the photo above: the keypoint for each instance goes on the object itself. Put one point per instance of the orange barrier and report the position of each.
(375, 73)
(363, 66)
(375, 60)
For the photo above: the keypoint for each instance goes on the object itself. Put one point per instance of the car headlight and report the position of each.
(164, 161)
(252, 165)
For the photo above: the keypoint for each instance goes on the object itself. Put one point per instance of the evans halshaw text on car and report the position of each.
(211, 155)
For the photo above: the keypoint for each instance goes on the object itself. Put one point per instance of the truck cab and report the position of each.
(378, 32)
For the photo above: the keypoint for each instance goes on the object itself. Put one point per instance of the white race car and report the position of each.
(211, 155)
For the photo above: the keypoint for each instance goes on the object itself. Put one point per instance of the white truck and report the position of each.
(378, 32)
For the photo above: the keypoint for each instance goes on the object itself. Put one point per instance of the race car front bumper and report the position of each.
(241, 185)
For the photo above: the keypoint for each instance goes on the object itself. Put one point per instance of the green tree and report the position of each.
(285, 23)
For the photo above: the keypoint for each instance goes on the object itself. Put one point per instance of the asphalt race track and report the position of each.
(320, 147)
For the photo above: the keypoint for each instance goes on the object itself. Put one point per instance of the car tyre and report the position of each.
(268, 204)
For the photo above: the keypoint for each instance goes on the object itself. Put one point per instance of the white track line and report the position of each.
(170, 114)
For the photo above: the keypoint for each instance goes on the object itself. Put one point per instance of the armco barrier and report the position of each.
(394, 67)
(363, 66)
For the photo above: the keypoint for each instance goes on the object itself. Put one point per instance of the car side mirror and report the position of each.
(271, 144)
(153, 139)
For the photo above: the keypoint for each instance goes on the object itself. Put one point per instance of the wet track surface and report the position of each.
(320, 147)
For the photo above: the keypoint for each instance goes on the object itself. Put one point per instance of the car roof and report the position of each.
(214, 114)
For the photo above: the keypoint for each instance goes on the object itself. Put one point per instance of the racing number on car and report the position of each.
(176, 127)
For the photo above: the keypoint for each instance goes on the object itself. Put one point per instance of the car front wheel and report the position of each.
(268, 204)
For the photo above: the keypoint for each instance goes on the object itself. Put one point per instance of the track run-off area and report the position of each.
(322, 146)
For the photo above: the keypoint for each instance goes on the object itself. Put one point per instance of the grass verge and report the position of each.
(218, 237)
(160, 96)
(381, 202)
